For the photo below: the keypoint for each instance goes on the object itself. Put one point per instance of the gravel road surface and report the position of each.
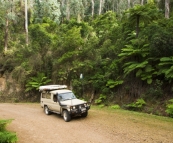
(33, 126)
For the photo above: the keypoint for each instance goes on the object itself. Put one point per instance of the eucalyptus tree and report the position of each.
(68, 9)
(62, 9)
(77, 9)
(92, 9)
(8, 16)
(129, 3)
(47, 8)
(73, 9)
(167, 9)
(70, 53)
(26, 20)
(101, 5)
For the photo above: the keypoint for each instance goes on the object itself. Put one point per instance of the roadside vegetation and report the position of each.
(150, 121)
(122, 49)
(6, 136)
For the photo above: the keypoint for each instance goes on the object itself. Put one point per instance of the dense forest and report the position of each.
(107, 51)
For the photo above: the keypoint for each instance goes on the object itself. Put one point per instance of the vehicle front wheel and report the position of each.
(85, 114)
(66, 116)
(46, 110)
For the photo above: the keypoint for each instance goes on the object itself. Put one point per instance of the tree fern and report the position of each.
(36, 82)
(112, 83)
(166, 67)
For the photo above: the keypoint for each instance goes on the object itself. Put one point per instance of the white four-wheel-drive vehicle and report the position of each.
(58, 99)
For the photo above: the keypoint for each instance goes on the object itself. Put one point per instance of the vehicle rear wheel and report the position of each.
(46, 110)
(66, 116)
(85, 114)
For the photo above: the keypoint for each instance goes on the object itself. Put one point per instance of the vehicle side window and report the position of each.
(43, 95)
(48, 96)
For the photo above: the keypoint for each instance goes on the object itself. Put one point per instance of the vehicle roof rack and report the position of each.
(51, 87)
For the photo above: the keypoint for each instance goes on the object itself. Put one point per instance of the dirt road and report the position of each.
(33, 126)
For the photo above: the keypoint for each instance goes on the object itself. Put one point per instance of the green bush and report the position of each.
(138, 105)
(100, 99)
(115, 107)
(156, 90)
(169, 108)
(101, 105)
(6, 136)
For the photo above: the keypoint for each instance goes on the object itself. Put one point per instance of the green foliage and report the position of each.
(166, 67)
(115, 107)
(105, 48)
(112, 83)
(42, 35)
(160, 35)
(136, 55)
(142, 15)
(73, 39)
(138, 105)
(105, 23)
(3, 124)
(156, 89)
(100, 99)
(101, 105)
(169, 108)
(49, 9)
(36, 82)
(6, 136)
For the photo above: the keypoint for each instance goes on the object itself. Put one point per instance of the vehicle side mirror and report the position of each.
(55, 99)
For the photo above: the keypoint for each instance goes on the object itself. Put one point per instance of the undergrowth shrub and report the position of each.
(156, 90)
(6, 136)
(138, 105)
(115, 106)
(169, 108)
(101, 99)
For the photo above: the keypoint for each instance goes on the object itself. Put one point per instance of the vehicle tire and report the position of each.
(66, 116)
(85, 114)
(46, 110)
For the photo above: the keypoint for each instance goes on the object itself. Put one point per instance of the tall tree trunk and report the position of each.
(137, 25)
(100, 7)
(92, 13)
(113, 6)
(78, 18)
(6, 35)
(128, 3)
(21, 3)
(142, 2)
(167, 2)
(62, 4)
(67, 10)
(26, 20)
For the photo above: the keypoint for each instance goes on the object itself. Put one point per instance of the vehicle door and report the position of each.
(55, 103)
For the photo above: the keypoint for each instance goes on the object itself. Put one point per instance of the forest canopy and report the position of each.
(122, 48)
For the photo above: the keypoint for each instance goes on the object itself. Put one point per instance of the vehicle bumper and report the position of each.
(79, 111)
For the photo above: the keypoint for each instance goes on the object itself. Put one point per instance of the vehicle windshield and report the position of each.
(66, 96)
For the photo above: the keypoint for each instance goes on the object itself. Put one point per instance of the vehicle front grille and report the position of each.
(79, 106)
